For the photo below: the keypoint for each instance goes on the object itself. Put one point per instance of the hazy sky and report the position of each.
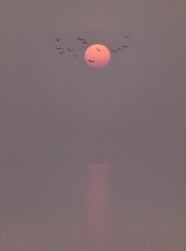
(58, 114)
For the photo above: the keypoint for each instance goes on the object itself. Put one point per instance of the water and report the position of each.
(70, 230)
(96, 223)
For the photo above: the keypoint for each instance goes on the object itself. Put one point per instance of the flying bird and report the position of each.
(58, 48)
(69, 49)
(58, 39)
(119, 49)
(73, 52)
(80, 39)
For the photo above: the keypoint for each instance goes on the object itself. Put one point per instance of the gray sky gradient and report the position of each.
(58, 114)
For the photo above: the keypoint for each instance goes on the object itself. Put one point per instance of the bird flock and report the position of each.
(62, 50)
(83, 41)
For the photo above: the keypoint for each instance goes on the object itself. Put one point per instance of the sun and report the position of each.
(97, 55)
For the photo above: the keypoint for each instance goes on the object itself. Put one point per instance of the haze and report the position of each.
(58, 115)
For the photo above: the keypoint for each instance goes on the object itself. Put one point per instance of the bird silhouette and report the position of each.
(80, 39)
(58, 48)
(72, 52)
(69, 49)
(58, 39)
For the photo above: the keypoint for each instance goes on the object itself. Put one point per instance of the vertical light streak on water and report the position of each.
(97, 205)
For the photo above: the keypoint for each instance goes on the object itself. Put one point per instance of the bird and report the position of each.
(69, 49)
(58, 39)
(119, 49)
(72, 52)
(81, 39)
(58, 48)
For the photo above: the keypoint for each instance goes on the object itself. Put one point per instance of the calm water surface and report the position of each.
(70, 229)
(97, 224)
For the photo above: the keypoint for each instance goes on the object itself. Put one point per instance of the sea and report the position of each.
(98, 228)
(91, 219)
